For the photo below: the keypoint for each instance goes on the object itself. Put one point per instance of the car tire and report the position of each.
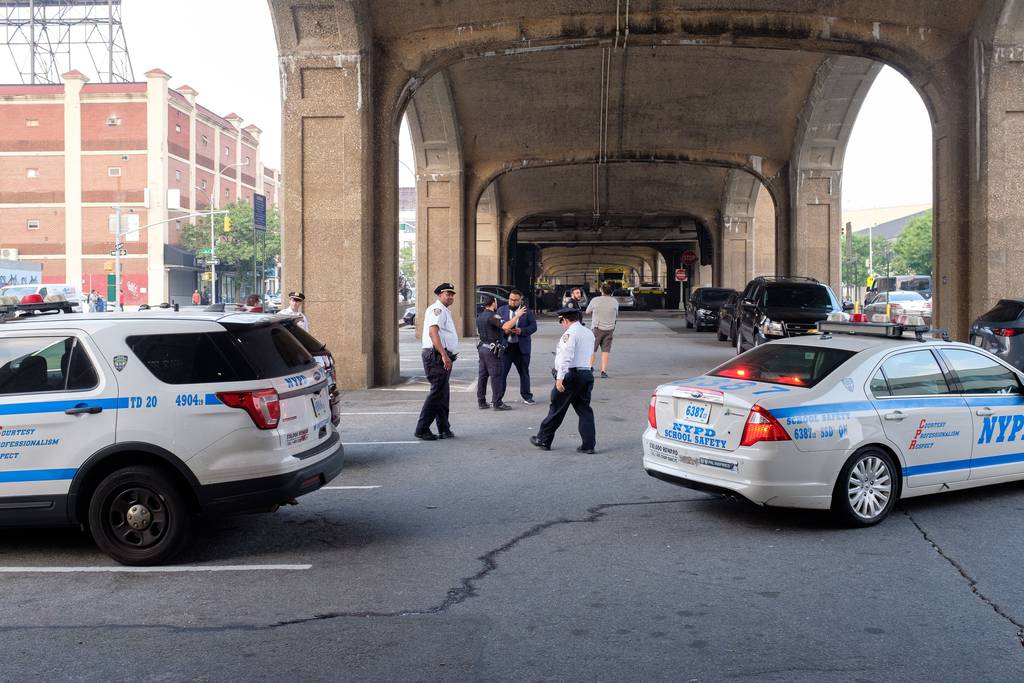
(867, 488)
(689, 325)
(739, 341)
(138, 516)
(722, 337)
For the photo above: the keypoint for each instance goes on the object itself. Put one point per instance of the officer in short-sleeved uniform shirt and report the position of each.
(440, 343)
(574, 381)
(294, 309)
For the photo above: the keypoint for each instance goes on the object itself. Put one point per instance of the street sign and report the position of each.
(213, 262)
(119, 245)
(124, 252)
(203, 251)
(259, 211)
(681, 274)
(689, 257)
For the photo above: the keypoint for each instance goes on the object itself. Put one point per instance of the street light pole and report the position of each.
(117, 255)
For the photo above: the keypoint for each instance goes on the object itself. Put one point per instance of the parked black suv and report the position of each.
(777, 307)
(704, 304)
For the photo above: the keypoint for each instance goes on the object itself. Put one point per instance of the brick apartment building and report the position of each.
(70, 153)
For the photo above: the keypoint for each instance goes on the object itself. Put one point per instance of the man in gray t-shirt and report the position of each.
(604, 311)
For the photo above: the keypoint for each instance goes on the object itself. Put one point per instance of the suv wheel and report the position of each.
(722, 337)
(689, 325)
(739, 340)
(139, 517)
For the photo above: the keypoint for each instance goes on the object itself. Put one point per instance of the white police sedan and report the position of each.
(851, 420)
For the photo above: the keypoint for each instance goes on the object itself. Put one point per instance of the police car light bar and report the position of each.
(891, 330)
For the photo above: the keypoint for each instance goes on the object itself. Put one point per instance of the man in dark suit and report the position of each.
(519, 344)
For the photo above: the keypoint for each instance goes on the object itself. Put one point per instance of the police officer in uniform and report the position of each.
(574, 381)
(439, 345)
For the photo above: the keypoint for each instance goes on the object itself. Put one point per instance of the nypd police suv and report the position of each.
(851, 420)
(133, 424)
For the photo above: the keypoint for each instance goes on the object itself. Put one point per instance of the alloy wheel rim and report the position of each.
(137, 517)
(869, 487)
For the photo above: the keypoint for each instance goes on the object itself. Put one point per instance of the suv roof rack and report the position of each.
(889, 330)
(787, 278)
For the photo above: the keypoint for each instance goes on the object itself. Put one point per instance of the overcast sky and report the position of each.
(226, 50)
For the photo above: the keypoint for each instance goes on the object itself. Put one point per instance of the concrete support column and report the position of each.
(73, 82)
(779, 187)
(815, 239)
(156, 181)
(327, 213)
(764, 235)
(488, 240)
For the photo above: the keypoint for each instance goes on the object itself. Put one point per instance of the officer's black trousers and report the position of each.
(513, 356)
(435, 407)
(578, 385)
(491, 368)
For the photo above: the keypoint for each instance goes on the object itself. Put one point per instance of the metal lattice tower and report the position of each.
(49, 37)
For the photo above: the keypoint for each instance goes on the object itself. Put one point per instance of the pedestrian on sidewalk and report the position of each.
(574, 381)
(604, 310)
(439, 348)
(196, 298)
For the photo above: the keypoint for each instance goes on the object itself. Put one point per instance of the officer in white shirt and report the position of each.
(574, 381)
(295, 300)
(439, 347)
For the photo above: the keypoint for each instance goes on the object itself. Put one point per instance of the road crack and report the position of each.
(972, 583)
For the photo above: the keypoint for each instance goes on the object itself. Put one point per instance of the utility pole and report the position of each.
(118, 245)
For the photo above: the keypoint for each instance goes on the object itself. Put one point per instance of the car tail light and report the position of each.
(1007, 331)
(263, 405)
(652, 414)
(761, 426)
(32, 299)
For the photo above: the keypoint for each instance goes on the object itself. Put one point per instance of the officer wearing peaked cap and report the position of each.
(295, 301)
(574, 381)
(439, 346)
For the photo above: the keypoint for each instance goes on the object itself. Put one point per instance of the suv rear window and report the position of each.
(797, 296)
(791, 364)
(1005, 311)
(714, 296)
(241, 353)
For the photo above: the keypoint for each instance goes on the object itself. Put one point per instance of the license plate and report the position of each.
(696, 412)
(319, 405)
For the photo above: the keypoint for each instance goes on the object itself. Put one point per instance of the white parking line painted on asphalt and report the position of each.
(171, 569)
(374, 443)
(397, 412)
(347, 488)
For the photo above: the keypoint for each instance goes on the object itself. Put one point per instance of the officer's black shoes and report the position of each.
(529, 402)
(502, 406)
(426, 436)
(540, 444)
(581, 449)
(446, 435)
(604, 375)
(484, 405)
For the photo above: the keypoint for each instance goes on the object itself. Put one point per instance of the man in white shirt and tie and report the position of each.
(439, 346)
(574, 381)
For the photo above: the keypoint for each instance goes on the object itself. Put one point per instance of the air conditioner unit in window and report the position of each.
(113, 121)
(9, 254)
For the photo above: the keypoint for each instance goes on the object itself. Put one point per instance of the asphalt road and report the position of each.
(483, 558)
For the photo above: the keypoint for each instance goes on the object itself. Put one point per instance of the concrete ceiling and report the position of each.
(664, 102)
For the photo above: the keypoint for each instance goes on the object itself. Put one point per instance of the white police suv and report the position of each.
(850, 420)
(133, 425)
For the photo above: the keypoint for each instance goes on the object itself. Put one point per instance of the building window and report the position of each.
(227, 192)
(32, 123)
(114, 171)
(247, 161)
(32, 224)
(113, 121)
(177, 128)
(177, 225)
(226, 152)
(177, 174)
(202, 184)
(206, 141)
(31, 172)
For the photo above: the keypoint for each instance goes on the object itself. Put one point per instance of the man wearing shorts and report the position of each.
(604, 311)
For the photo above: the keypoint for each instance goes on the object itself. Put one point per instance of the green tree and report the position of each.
(855, 271)
(914, 247)
(407, 262)
(235, 248)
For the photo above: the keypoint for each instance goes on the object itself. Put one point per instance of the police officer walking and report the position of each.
(439, 345)
(574, 381)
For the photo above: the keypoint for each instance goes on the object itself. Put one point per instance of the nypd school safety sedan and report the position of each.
(851, 420)
(133, 424)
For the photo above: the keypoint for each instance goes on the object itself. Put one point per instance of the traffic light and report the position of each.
(227, 223)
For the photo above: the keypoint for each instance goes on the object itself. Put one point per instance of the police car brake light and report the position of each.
(263, 405)
(1007, 331)
(761, 426)
(652, 415)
